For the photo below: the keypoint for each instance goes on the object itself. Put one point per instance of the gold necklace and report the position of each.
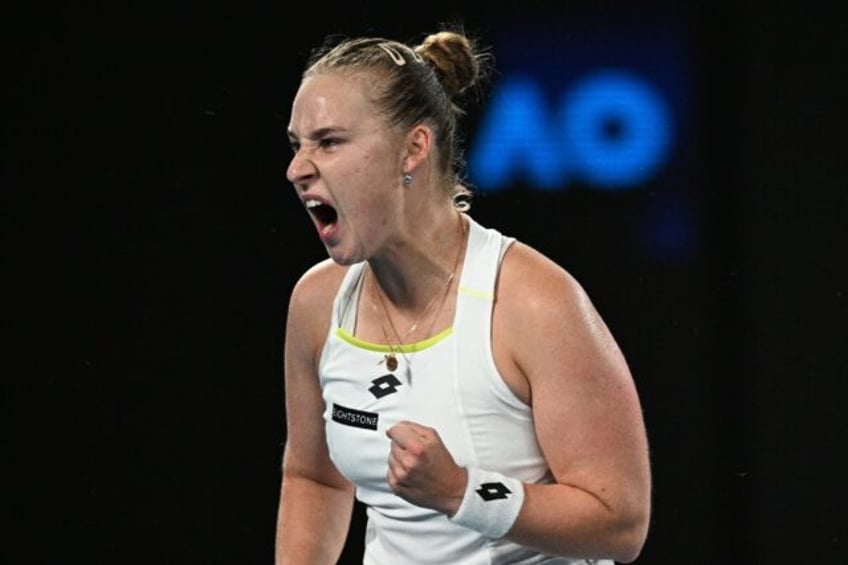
(390, 358)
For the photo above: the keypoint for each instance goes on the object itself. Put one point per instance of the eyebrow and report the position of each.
(316, 134)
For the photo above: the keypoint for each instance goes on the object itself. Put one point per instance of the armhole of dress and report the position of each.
(502, 389)
(350, 304)
(505, 243)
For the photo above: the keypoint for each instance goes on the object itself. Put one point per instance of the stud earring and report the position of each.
(406, 179)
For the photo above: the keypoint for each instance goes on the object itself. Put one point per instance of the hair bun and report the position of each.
(454, 57)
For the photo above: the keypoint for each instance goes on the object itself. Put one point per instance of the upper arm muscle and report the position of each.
(306, 327)
(586, 410)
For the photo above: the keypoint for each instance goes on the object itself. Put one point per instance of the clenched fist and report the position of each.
(422, 470)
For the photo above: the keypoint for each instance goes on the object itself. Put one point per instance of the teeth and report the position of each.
(312, 204)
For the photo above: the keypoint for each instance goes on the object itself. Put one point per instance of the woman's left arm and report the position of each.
(555, 352)
(587, 415)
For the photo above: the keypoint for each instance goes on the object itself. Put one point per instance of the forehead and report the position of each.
(331, 100)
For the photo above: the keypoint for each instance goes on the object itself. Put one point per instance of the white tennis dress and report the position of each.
(448, 382)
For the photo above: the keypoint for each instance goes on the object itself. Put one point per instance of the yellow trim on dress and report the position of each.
(476, 293)
(406, 348)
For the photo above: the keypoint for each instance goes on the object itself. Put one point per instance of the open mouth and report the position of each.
(324, 214)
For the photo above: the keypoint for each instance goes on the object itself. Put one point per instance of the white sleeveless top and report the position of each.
(448, 382)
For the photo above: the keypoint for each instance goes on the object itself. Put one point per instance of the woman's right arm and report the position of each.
(316, 501)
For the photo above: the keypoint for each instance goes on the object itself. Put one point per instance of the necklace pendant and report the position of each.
(391, 361)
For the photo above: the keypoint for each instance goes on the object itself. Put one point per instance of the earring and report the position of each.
(406, 179)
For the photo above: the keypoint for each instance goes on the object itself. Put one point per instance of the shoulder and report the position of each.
(535, 284)
(311, 300)
(317, 285)
(544, 311)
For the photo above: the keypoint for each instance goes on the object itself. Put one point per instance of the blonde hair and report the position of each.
(421, 83)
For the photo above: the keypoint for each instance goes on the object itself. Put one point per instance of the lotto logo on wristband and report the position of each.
(493, 491)
(488, 505)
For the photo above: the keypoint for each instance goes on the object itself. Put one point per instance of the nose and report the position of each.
(301, 170)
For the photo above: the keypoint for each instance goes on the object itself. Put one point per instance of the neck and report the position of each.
(413, 270)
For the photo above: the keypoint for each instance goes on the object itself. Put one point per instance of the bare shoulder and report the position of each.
(319, 283)
(532, 283)
(545, 316)
(311, 301)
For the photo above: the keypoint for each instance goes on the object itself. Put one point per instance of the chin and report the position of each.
(343, 259)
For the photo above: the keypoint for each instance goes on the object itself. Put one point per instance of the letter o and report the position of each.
(640, 142)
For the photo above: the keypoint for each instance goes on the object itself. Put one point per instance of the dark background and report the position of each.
(151, 240)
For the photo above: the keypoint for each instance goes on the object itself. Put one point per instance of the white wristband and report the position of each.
(490, 504)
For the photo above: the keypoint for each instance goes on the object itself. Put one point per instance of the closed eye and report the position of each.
(321, 139)
(329, 142)
(294, 143)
